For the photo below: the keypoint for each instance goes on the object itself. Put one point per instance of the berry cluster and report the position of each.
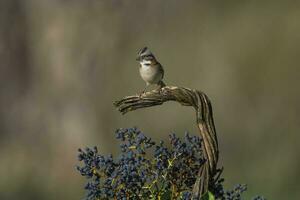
(146, 170)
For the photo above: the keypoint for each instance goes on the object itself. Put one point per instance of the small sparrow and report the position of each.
(151, 70)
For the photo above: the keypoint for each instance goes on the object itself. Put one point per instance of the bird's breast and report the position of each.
(150, 73)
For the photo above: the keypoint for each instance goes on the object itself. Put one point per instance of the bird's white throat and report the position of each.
(145, 62)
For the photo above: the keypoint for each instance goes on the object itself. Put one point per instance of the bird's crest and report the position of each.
(145, 52)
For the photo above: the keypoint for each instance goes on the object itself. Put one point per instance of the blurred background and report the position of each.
(64, 62)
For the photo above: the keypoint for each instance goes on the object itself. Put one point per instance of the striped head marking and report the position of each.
(145, 54)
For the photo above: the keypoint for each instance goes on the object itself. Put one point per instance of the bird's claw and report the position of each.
(141, 94)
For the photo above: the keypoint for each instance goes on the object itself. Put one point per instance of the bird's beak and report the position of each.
(138, 58)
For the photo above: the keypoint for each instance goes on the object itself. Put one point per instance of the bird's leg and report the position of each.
(143, 91)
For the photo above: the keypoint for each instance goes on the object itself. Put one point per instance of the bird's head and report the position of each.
(145, 55)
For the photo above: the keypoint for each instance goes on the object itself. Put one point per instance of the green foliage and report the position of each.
(208, 196)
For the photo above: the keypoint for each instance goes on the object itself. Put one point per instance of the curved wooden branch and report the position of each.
(205, 124)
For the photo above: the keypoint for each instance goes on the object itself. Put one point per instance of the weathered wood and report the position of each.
(205, 124)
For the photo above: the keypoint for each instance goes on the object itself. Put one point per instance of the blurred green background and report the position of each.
(63, 63)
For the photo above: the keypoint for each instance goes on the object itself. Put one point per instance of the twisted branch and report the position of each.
(204, 115)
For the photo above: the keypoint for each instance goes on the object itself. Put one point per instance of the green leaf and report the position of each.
(166, 195)
(208, 196)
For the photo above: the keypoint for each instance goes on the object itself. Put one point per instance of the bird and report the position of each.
(151, 70)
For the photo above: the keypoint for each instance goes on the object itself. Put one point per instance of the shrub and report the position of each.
(146, 170)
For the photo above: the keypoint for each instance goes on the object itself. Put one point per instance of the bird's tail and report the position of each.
(161, 84)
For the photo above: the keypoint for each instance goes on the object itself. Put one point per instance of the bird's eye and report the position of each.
(148, 57)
